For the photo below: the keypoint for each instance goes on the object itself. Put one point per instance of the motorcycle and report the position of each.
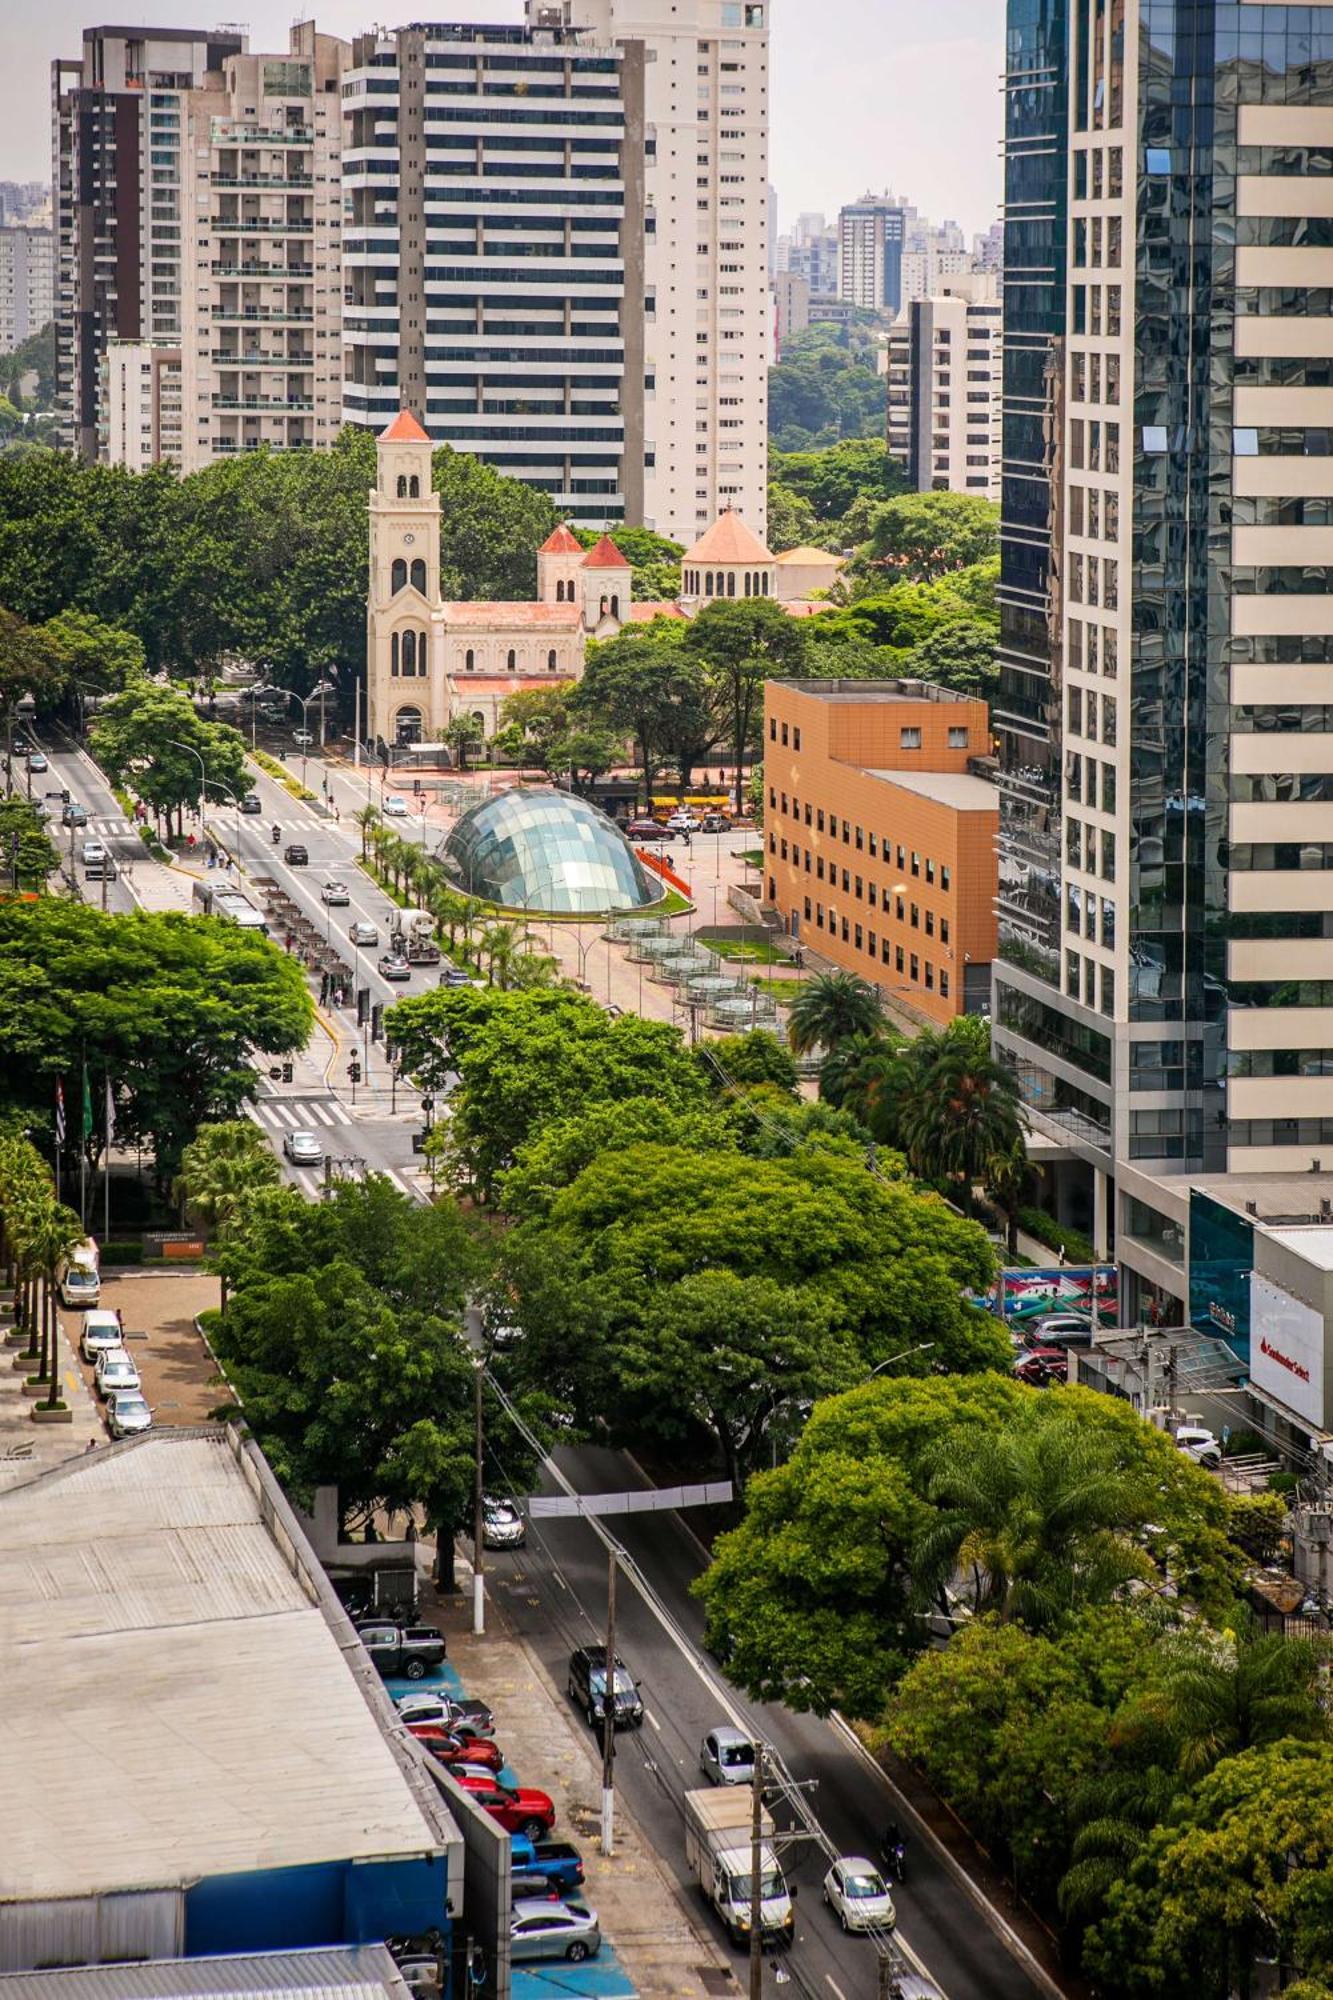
(893, 1849)
(277, 835)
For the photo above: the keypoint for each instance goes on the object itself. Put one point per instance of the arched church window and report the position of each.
(419, 574)
(393, 654)
(402, 487)
(469, 661)
(414, 487)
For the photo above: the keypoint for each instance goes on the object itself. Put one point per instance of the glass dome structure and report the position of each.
(546, 850)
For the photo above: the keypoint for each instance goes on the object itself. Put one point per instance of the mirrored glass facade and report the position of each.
(545, 850)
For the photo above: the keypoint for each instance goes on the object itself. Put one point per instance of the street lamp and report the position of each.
(926, 1347)
(213, 785)
(203, 775)
(321, 688)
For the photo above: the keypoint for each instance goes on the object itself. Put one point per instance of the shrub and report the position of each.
(1057, 1235)
(1255, 1522)
(121, 1253)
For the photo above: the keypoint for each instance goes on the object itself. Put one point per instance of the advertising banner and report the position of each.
(1026, 1294)
(1287, 1349)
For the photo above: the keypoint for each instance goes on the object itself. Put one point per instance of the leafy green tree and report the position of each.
(742, 644)
(143, 739)
(29, 666)
(927, 534)
(643, 685)
(831, 1009)
(960, 656)
(826, 387)
(26, 853)
(832, 480)
(222, 1168)
(172, 1009)
(464, 734)
(1239, 1873)
(791, 519)
(93, 653)
(531, 721)
(558, 1152)
(757, 1057)
(584, 754)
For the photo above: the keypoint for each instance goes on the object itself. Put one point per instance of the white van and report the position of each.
(80, 1282)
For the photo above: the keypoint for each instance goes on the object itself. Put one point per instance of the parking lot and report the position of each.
(178, 1374)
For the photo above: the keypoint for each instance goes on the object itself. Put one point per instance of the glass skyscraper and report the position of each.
(1165, 988)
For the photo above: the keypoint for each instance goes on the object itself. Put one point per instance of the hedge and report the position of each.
(1057, 1235)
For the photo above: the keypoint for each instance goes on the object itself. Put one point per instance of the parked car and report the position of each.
(714, 823)
(1040, 1366)
(74, 814)
(392, 966)
(587, 1687)
(726, 1756)
(461, 1716)
(502, 1523)
(335, 894)
(295, 855)
(447, 1748)
(37, 762)
(858, 1895)
(558, 1863)
(252, 803)
(127, 1414)
(683, 822)
(394, 807)
(1058, 1328)
(406, 1651)
(115, 1372)
(303, 738)
(303, 1149)
(648, 829)
(1200, 1445)
(517, 1808)
(101, 1330)
(363, 932)
(540, 1928)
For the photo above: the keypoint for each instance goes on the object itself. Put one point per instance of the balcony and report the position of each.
(231, 357)
(261, 180)
(270, 315)
(221, 269)
(264, 405)
(253, 225)
(227, 447)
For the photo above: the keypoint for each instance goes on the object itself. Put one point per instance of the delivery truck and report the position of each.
(718, 1854)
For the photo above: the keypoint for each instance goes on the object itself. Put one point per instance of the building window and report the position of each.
(397, 576)
(550, 661)
(944, 985)
(469, 661)
(393, 654)
(958, 739)
(511, 660)
(909, 739)
(795, 737)
(419, 575)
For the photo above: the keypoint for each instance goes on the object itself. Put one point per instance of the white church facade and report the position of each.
(429, 660)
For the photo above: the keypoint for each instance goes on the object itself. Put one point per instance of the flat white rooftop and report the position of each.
(175, 1701)
(958, 789)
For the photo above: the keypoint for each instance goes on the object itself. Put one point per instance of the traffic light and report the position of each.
(287, 1072)
(354, 1072)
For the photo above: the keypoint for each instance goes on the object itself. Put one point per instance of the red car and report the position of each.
(457, 1749)
(1041, 1366)
(518, 1809)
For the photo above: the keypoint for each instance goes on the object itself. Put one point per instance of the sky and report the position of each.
(867, 94)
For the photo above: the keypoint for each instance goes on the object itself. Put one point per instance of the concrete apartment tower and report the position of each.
(870, 253)
(493, 252)
(117, 124)
(261, 323)
(707, 339)
(945, 379)
(27, 283)
(1165, 979)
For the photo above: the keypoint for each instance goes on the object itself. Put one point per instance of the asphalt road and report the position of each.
(555, 1592)
(74, 771)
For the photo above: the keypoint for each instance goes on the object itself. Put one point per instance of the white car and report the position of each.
(101, 1330)
(683, 822)
(115, 1372)
(858, 1895)
(303, 1149)
(1200, 1445)
(91, 851)
(726, 1756)
(303, 737)
(394, 807)
(335, 893)
(127, 1414)
(80, 1286)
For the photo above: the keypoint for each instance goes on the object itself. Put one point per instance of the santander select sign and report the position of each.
(1287, 1349)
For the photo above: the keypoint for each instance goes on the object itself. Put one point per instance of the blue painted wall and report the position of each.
(335, 1902)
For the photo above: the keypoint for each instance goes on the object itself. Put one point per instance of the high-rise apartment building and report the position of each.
(705, 249)
(870, 253)
(933, 269)
(1166, 893)
(261, 322)
(493, 252)
(944, 389)
(140, 400)
(27, 283)
(117, 126)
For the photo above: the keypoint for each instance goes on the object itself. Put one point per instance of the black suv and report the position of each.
(295, 855)
(587, 1687)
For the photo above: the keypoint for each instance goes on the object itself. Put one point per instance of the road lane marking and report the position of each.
(831, 1981)
(653, 1719)
(340, 1112)
(318, 1111)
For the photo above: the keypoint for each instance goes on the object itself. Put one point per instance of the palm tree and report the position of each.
(533, 969)
(1225, 1692)
(1037, 1513)
(220, 1168)
(470, 913)
(366, 818)
(501, 947)
(960, 1111)
(829, 1009)
(1007, 1175)
(1114, 1812)
(445, 905)
(839, 1076)
(55, 1236)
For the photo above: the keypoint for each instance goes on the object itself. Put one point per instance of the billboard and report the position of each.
(1287, 1349)
(1026, 1293)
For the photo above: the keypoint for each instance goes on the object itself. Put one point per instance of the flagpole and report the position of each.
(110, 1120)
(85, 1133)
(60, 1128)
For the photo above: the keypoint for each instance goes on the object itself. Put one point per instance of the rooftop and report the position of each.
(561, 542)
(806, 554)
(874, 691)
(728, 541)
(1298, 1202)
(332, 1972)
(958, 789)
(605, 555)
(541, 617)
(404, 430)
(158, 1598)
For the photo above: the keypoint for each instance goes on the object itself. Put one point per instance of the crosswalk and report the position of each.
(297, 1115)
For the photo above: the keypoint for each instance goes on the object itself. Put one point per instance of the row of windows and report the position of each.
(1094, 445)
(1094, 313)
(1090, 848)
(1081, 981)
(722, 583)
(878, 846)
(874, 947)
(1259, 720)
(864, 892)
(795, 736)
(1094, 580)
(1086, 710)
(1087, 643)
(1280, 1131)
(408, 655)
(1094, 513)
(1089, 916)
(398, 575)
(1081, 781)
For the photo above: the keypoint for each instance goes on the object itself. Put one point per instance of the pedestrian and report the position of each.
(336, 814)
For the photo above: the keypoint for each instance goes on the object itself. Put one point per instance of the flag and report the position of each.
(110, 1113)
(60, 1111)
(87, 1120)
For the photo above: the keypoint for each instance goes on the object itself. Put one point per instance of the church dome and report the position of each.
(543, 849)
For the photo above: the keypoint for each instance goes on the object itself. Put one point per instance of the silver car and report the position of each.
(540, 1928)
(335, 893)
(363, 932)
(502, 1524)
(127, 1414)
(303, 1149)
(115, 1372)
(726, 1756)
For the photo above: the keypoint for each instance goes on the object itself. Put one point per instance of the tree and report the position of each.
(531, 721)
(584, 754)
(758, 1057)
(222, 1168)
(827, 386)
(831, 1009)
(559, 1151)
(927, 534)
(367, 818)
(958, 1112)
(172, 1009)
(29, 667)
(27, 855)
(1239, 1873)
(52, 1235)
(91, 653)
(960, 656)
(831, 481)
(604, 1273)
(144, 740)
(643, 685)
(742, 643)
(1224, 1692)
(791, 519)
(463, 733)
(1008, 1176)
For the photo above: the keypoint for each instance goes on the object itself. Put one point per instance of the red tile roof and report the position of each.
(404, 430)
(728, 541)
(644, 614)
(605, 555)
(499, 617)
(502, 683)
(561, 543)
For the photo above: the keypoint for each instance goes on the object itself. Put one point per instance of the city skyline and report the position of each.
(826, 150)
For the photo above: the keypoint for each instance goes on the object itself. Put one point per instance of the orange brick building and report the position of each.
(880, 838)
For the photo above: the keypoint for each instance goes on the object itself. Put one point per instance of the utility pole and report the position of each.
(609, 1710)
(886, 1983)
(478, 1511)
(756, 1876)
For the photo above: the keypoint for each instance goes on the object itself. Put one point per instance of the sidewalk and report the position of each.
(653, 1935)
(44, 1445)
